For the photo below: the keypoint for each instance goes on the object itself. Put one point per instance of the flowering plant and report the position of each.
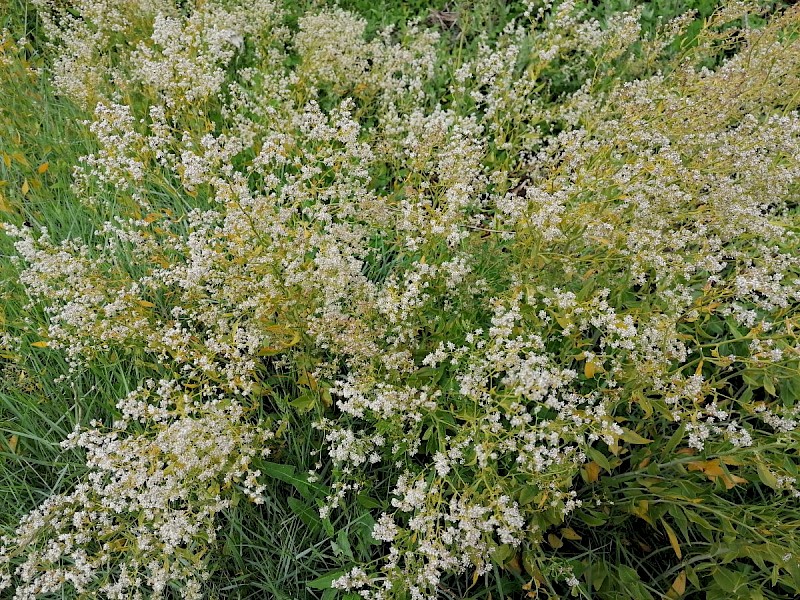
(523, 296)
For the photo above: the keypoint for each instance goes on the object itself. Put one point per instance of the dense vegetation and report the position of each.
(398, 300)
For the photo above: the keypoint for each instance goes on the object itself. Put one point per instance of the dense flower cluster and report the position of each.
(482, 290)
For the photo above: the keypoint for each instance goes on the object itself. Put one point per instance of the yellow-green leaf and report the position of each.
(673, 539)
(633, 438)
(307, 380)
(280, 331)
(766, 476)
(642, 510)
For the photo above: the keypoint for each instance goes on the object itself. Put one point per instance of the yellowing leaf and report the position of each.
(4, 205)
(710, 468)
(6, 160)
(513, 565)
(614, 448)
(699, 369)
(40, 344)
(569, 533)
(43, 168)
(12, 443)
(678, 587)
(554, 541)
(25, 187)
(145, 303)
(592, 471)
(714, 470)
(327, 400)
(591, 368)
(731, 480)
(673, 539)
(642, 510)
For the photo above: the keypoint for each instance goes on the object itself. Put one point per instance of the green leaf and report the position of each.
(596, 574)
(328, 527)
(502, 554)
(790, 391)
(287, 474)
(729, 581)
(593, 519)
(365, 501)
(304, 402)
(746, 395)
(529, 563)
(691, 575)
(627, 574)
(528, 494)
(343, 542)
(674, 440)
(698, 520)
(599, 458)
(755, 379)
(734, 327)
(324, 582)
(679, 517)
(307, 514)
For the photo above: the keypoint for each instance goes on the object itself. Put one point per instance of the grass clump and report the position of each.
(318, 301)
